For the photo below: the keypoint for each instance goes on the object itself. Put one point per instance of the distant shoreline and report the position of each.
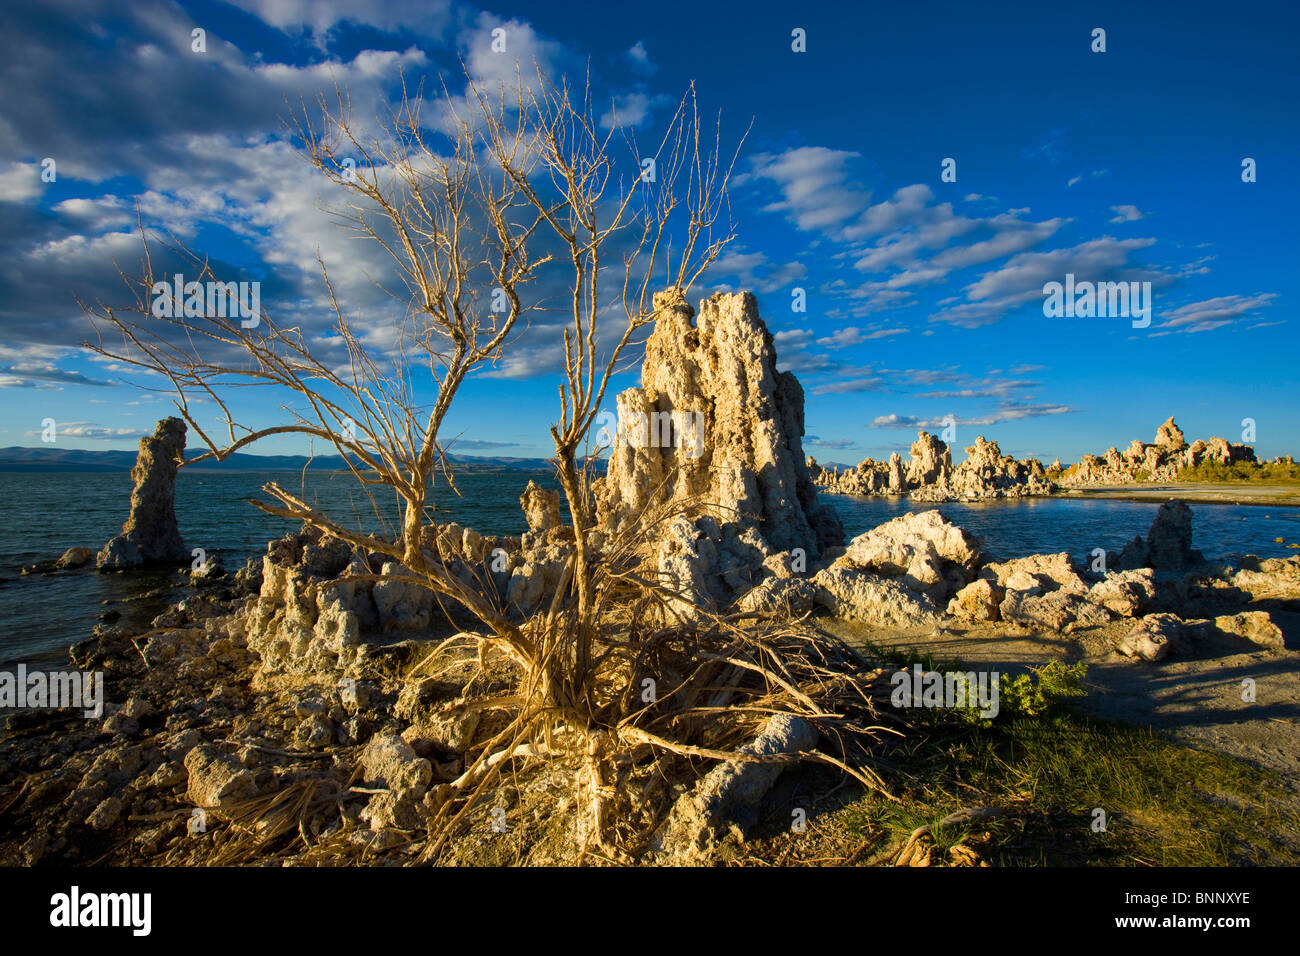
(1226, 493)
(1244, 493)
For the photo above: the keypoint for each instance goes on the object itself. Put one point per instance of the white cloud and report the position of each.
(852, 335)
(633, 110)
(1021, 280)
(1007, 413)
(19, 181)
(320, 17)
(1213, 313)
(1126, 213)
(638, 58)
(816, 185)
(755, 271)
(851, 386)
(93, 430)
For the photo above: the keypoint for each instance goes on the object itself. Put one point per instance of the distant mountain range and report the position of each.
(77, 459)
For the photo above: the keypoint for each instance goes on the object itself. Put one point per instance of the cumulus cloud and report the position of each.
(20, 181)
(322, 17)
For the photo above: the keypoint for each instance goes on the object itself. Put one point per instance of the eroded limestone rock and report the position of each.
(715, 429)
(150, 535)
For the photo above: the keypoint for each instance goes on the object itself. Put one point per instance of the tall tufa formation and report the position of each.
(150, 535)
(715, 424)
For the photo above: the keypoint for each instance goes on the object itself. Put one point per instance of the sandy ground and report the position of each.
(1195, 700)
(1233, 493)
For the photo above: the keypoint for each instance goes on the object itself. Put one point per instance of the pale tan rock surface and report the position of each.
(716, 430)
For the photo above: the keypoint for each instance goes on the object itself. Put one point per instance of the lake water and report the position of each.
(43, 514)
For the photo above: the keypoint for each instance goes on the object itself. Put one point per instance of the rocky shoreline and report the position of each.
(270, 685)
(929, 474)
(322, 705)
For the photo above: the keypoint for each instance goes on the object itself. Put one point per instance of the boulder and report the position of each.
(1048, 571)
(857, 595)
(786, 595)
(1255, 626)
(402, 605)
(921, 548)
(75, 558)
(1268, 578)
(1154, 637)
(217, 778)
(389, 761)
(1058, 610)
(729, 796)
(310, 613)
(1125, 593)
(977, 601)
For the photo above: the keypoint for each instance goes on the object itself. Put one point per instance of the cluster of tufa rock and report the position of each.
(931, 476)
(1159, 461)
(324, 605)
(920, 571)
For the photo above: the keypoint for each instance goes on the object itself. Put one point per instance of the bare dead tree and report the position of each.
(522, 171)
(613, 204)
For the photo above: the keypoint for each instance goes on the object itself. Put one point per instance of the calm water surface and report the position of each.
(43, 514)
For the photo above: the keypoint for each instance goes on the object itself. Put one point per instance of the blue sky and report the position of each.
(924, 297)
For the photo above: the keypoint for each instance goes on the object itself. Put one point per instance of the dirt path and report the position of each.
(1196, 700)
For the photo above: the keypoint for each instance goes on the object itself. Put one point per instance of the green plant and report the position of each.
(1217, 471)
(1041, 690)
